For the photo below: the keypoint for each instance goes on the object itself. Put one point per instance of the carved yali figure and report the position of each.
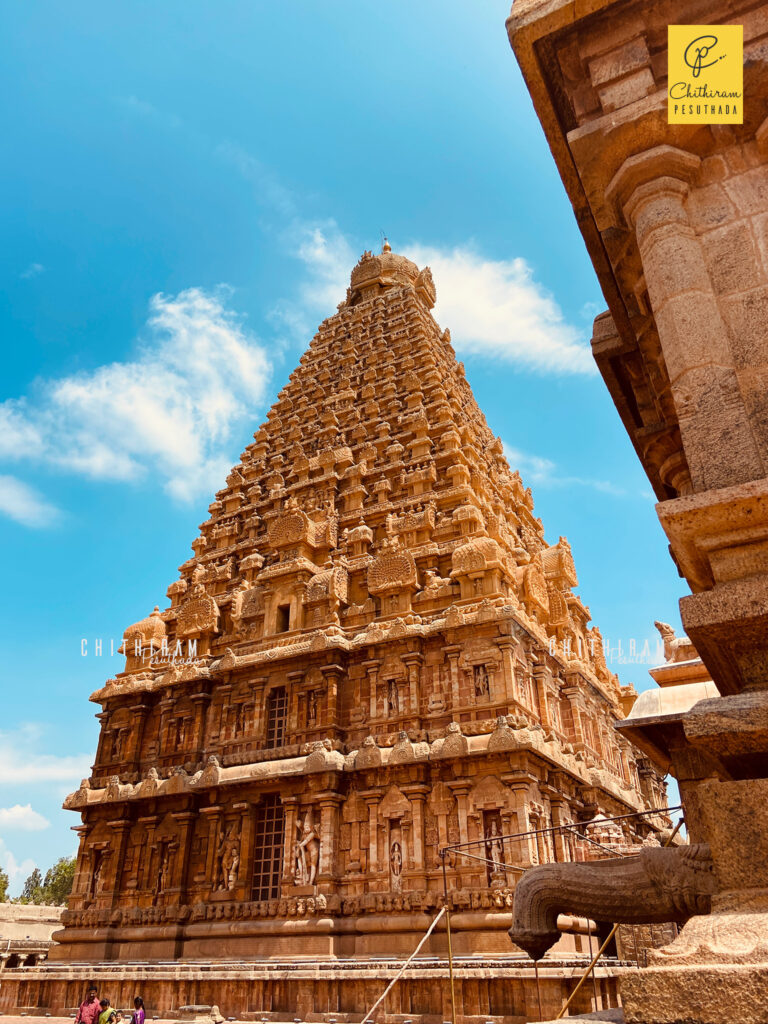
(657, 885)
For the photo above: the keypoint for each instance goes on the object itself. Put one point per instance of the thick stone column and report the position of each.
(507, 646)
(329, 840)
(120, 829)
(453, 653)
(649, 191)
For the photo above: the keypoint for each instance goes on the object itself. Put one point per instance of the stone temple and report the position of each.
(373, 654)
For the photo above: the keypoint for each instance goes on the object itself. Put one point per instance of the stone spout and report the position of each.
(657, 885)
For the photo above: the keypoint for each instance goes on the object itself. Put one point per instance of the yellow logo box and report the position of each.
(706, 74)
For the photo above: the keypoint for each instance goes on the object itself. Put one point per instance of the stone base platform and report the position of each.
(606, 1016)
(697, 994)
(502, 990)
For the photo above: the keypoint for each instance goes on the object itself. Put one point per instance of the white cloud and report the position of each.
(22, 763)
(33, 270)
(269, 191)
(328, 258)
(495, 308)
(542, 472)
(23, 818)
(22, 504)
(17, 871)
(172, 410)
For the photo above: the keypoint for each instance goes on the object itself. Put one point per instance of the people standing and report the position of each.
(89, 1008)
(139, 1014)
(109, 1014)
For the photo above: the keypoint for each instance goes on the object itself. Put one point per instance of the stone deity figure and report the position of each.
(96, 880)
(396, 865)
(482, 682)
(494, 848)
(163, 876)
(307, 854)
(227, 861)
(393, 697)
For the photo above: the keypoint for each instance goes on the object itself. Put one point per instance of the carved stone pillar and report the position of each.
(186, 821)
(333, 675)
(372, 668)
(507, 646)
(166, 707)
(329, 840)
(525, 852)
(291, 811)
(120, 830)
(649, 191)
(103, 718)
(150, 823)
(373, 833)
(213, 816)
(576, 701)
(461, 788)
(259, 685)
(453, 653)
(559, 839)
(541, 680)
(417, 794)
(413, 663)
(200, 702)
(245, 809)
(80, 882)
(295, 721)
(133, 749)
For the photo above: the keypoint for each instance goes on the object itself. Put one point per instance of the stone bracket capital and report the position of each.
(663, 166)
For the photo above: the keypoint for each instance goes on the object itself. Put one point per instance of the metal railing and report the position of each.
(574, 829)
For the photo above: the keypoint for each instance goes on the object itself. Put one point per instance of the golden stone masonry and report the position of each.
(675, 219)
(372, 601)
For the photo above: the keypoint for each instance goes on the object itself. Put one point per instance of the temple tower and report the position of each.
(373, 653)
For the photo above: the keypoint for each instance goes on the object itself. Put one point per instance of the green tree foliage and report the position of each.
(4, 883)
(54, 889)
(58, 881)
(33, 888)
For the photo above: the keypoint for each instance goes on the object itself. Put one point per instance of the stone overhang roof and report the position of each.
(505, 738)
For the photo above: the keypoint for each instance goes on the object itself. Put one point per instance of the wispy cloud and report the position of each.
(497, 309)
(543, 472)
(494, 308)
(173, 409)
(327, 257)
(22, 818)
(33, 270)
(269, 190)
(17, 871)
(23, 504)
(22, 762)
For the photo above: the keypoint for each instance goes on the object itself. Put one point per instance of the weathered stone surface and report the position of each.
(374, 653)
(674, 218)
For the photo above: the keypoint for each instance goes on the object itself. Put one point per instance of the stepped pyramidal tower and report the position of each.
(373, 654)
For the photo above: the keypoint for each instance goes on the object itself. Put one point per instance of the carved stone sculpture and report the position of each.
(658, 884)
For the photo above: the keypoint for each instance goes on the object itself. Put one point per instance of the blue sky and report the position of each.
(185, 187)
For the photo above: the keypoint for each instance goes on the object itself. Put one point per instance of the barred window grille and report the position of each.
(277, 713)
(268, 848)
